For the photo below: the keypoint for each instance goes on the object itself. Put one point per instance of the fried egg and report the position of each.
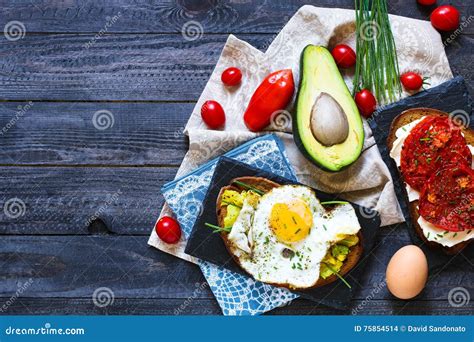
(281, 237)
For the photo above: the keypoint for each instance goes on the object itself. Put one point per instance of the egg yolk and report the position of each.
(291, 222)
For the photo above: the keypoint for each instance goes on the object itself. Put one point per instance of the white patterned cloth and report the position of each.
(366, 182)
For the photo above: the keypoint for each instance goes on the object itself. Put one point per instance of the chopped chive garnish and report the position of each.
(297, 231)
(294, 220)
(334, 202)
(324, 226)
(338, 275)
(246, 186)
(217, 229)
(455, 234)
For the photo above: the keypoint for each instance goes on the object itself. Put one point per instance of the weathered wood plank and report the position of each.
(131, 67)
(224, 16)
(72, 133)
(204, 306)
(123, 67)
(64, 200)
(75, 266)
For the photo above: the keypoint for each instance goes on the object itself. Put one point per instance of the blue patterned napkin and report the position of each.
(236, 293)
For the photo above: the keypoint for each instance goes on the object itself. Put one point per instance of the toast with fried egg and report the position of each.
(264, 186)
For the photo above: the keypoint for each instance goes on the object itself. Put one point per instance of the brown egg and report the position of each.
(407, 272)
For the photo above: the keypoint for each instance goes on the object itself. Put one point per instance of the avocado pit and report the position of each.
(328, 121)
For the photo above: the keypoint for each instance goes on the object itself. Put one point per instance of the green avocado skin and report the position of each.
(296, 130)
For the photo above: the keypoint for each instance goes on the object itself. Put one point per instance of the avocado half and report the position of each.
(327, 127)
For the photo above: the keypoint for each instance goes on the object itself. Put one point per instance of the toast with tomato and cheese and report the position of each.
(433, 153)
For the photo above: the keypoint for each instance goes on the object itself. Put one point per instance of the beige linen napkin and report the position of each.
(366, 182)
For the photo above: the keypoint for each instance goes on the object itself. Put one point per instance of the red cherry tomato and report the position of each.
(426, 2)
(231, 76)
(168, 230)
(365, 102)
(344, 56)
(411, 81)
(445, 18)
(213, 114)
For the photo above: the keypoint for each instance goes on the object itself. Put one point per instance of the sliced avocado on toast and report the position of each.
(327, 127)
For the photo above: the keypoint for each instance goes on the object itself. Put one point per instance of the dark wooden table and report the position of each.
(62, 173)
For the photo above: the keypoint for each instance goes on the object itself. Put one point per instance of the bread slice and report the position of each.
(266, 185)
(403, 119)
